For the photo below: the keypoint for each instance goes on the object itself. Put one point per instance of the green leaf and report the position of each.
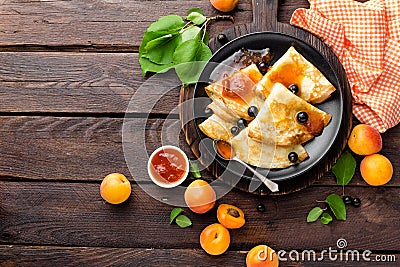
(206, 38)
(170, 24)
(195, 52)
(337, 206)
(148, 66)
(192, 32)
(196, 18)
(183, 221)
(344, 168)
(194, 169)
(174, 213)
(314, 214)
(167, 24)
(161, 50)
(326, 218)
(195, 9)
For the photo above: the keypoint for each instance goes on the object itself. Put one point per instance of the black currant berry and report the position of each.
(222, 38)
(293, 88)
(347, 200)
(252, 111)
(302, 117)
(293, 157)
(356, 202)
(263, 67)
(241, 123)
(235, 130)
(260, 207)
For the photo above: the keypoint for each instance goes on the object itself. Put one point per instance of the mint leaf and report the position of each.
(161, 50)
(196, 18)
(174, 213)
(326, 218)
(195, 9)
(194, 169)
(183, 221)
(195, 52)
(344, 168)
(337, 206)
(314, 214)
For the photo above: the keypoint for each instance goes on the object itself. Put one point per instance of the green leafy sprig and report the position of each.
(344, 171)
(194, 169)
(336, 205)
(181, 220)
(170, 42)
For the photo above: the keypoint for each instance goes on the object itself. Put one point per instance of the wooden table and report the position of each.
(68, 70)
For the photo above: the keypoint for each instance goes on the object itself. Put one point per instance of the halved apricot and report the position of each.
(230, 216)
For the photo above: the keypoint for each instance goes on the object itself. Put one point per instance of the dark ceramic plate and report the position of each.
(319, 147)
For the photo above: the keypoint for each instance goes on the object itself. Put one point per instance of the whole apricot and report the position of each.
(115, 188)
(376, 169)
(262, 256)
(215, 239)
(200, 196)
(365, 140)
(230, 216)
(224, 5)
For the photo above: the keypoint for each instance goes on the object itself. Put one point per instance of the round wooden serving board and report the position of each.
(265, 21)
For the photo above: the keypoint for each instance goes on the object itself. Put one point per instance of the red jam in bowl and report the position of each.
(168, 165)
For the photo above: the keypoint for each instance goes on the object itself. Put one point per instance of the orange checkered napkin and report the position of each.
(366, 39)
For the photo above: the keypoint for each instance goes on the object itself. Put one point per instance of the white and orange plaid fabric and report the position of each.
(366, 39)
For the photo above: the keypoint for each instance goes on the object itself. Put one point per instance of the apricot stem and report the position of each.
(222, 17)
(204, 31)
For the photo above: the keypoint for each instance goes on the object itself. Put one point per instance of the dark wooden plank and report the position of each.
(90, 256)
(73, 214)
(78, 83)
(106, 24)
(54, 148)
(92, 24)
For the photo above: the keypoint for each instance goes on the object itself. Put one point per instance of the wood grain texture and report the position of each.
(94, 24)
(88, 148)
(78, 83)
(90, 256)
(73, 214)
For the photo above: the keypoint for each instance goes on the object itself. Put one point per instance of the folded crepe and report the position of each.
(253, 152)
(218, 125)
(265, 155)
(293, 68)
(238, 91)
(277, 121)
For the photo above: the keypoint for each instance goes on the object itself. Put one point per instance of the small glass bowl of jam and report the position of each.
(168, 166)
